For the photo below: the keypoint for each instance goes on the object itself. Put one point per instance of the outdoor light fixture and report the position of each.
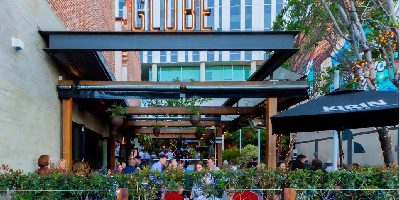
(257, 123)
(17, 44)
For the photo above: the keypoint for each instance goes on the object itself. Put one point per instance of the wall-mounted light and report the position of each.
(17, 44)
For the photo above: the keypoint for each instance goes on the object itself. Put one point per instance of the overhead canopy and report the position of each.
(176, 90)
(162, 41)
(339, 110)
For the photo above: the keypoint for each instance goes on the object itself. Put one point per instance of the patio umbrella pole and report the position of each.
(340, 149)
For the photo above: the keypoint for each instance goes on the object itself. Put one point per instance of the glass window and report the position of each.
(121, 5)
(214, 73)
(227, 73)
(150, 75)
(279, 6)
(220, 15)
(162, 15)
(248, 16)
(247, 55)
(174, 56)
(149, 57)
(210, 19)
(235, 55)
(190, 74)
(247, 72)
(141, 56)
(210, 56)
(197, 15)
(238, 73)
(163, 56)
(267, 15)
(235, 15)
(196, 56)
(169, 73)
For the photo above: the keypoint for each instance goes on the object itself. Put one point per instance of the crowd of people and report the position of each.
(166, 162)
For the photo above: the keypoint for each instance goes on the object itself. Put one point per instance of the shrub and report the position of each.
(248, 152)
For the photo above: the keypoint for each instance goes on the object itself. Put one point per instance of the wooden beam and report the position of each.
(271, 109)
(219, 147)
(203, 110)
(170, 123)
(169, 131)
(173, 136)
(67, 132)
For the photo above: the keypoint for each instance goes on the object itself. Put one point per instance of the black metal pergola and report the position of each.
(91, 78)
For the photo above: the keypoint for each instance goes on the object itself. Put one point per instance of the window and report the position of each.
(190, 74)
(214, 73)
(248, 15)
(235, 15)
(150, 75)
(228, 73)
(210, 19)
(196, 56)
(169, 73)
(267, 14)
(247, 55)
(279, 6)
(235, 56)
(220, 16)
(149, 57)
(210, 56)
(121, 4)
(238, 73)
(174, 56)
(246, 72)
(163, 56)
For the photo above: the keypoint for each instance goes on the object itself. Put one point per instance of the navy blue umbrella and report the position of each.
(339, 110)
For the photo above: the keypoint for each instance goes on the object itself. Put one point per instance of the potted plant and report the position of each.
(199, 131)
(156, 130)
(118, 113)
(194, 113)
(248, 131)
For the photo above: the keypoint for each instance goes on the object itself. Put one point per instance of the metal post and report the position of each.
(335, 137)
(316, 148)
(259, 145)
(350, 150)
(240, 140)
(223, 142)
(340, 148)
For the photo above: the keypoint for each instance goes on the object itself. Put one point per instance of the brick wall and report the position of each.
(84, 15)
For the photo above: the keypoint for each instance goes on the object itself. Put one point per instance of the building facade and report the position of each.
(225, 15)
(30, 110)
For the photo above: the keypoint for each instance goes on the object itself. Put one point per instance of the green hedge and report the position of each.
(103, 187)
